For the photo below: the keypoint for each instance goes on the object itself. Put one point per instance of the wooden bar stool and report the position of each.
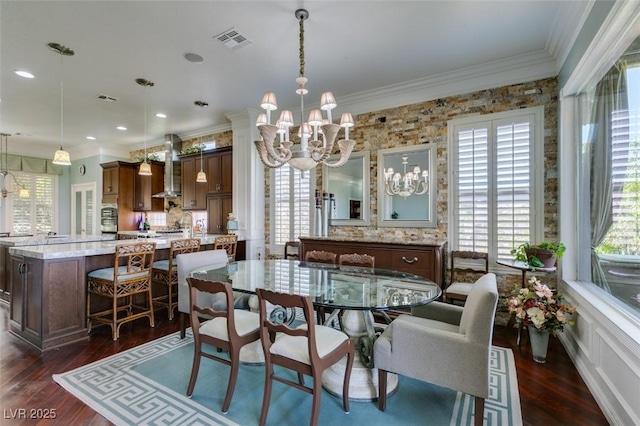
(228, 243)
(165, 272)
(130, 275)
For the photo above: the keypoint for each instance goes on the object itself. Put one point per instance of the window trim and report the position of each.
(9, 212)
(537, 166)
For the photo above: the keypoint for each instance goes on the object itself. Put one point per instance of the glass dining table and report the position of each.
(353, 292)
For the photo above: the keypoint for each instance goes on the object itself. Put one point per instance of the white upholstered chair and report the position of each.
(439, 339)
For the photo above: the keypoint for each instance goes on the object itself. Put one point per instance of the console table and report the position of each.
(425, 258)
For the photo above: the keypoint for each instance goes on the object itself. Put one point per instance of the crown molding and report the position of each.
(565, 29)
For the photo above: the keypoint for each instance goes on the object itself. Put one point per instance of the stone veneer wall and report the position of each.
(222, 139)
(426, 122)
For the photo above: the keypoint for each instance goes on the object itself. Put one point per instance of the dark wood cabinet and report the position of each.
(118, 182)
(146, 186)
(26, 301)
(218, 208)
(219, 172)
(194, 194)
(423, 259)
(5, 274)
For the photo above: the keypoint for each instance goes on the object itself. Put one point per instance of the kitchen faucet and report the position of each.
(190, 222)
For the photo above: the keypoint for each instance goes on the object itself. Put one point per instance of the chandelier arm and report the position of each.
(345, 146)
(262, 152)
(268, 133)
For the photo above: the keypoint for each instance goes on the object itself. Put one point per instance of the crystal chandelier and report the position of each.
(311, 151)
(415, 182)
(4, 170)
(61, 157)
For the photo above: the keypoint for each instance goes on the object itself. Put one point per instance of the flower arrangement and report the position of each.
(536, 306)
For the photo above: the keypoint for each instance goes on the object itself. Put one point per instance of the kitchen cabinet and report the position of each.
(118, 182)
(219, 171)
(5, 274)
(26, 298)
(218, 208)
(146, 186)
(194, 194)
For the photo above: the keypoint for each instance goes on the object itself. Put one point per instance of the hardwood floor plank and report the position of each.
(550, 394)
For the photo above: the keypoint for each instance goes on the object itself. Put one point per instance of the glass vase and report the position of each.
(539, 343)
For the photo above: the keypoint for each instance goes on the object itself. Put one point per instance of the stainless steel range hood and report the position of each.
(172, 175)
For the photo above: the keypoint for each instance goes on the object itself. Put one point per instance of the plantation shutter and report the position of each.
(493, 184)
(292, 204)
(34, 214)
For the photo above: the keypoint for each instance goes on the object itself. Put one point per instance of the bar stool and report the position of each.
(165, 272)
(130, 275)
(229, 243)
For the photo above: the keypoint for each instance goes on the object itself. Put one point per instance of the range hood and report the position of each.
(172, 175)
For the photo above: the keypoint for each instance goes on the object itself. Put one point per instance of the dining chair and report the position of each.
(320, 256)
(228, 329)
(356, 259)
(292, 250)
(228, 243)
(165, 272)
(465, 264)
(187, 263)
(308, 350)
(440, 338)
(130, 275)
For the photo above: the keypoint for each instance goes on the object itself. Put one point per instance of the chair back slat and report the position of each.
(321, 256)
(229, 243)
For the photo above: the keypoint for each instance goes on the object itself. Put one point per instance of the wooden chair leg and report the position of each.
(233, 378)
(152, 322)
(315, 407)
(347, 378)
(478, 411)
(183, 325)
(382, 390)
(197, 348)
(266, 398)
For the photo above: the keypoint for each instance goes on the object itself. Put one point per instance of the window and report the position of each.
(35, 214)
(496, 190)
(291, 205)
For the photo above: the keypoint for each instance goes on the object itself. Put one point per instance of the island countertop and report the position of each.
(51, 239)
(92, 248)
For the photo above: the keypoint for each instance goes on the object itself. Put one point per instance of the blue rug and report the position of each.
(146, 386)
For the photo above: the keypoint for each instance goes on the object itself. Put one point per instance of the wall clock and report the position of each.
(82, 170)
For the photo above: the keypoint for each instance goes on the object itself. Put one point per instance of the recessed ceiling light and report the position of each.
(24, 74)
(121, 128)
(193, 57)
(91, 138)
(161, 115)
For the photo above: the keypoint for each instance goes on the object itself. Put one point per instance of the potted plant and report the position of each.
(542, 255)
(542, 312)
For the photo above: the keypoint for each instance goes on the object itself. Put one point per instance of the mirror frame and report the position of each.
(366, 190)
(383, 198)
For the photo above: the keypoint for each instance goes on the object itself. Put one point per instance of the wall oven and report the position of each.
(109, 218)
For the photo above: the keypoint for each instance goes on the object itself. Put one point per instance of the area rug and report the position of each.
(146, 386)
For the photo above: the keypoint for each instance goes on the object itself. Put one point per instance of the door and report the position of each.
(84, 212)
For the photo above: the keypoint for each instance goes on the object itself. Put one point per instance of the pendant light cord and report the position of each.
(61, 100)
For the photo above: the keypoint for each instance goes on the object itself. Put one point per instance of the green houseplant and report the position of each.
(539, 255)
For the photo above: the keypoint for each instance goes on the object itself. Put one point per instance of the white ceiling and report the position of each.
(353, 48)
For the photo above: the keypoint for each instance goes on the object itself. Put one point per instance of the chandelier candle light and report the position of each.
(415, 182)
(202, 176)
(311, 152)
(61, 157)
(145, 168)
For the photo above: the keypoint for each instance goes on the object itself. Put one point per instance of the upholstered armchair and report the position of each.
(443, 344)
(189, 262)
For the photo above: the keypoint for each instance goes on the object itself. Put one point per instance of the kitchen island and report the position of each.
(48, 282)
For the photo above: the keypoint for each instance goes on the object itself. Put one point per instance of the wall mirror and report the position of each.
(350, 186)
(407, 209)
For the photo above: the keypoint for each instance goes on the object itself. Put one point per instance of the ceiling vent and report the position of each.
(107, 98)
(233, 39)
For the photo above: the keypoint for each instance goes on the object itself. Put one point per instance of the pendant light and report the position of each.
(61, 157)
(201, 177)
(145, 168)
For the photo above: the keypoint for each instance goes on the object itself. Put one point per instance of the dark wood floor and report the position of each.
(550, 394)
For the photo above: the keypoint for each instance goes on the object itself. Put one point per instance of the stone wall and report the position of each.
(426, 122)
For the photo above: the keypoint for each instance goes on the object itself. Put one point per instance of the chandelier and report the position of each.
(4, 170)
(311, 151)
(415, 182)
(61, 157)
